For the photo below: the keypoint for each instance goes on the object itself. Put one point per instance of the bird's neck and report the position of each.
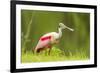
(60, 32)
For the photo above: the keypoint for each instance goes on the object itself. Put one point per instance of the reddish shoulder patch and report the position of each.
(45, 38)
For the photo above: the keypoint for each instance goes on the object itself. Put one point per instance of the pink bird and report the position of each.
(49, 39)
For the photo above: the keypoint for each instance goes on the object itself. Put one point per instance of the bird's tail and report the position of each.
(38, 50)
(35, 50)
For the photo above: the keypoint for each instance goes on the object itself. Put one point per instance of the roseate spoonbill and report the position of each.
(47, 40)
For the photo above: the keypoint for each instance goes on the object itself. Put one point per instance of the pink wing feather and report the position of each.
(43, 42)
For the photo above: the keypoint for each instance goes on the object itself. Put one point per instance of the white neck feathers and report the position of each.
(60, 32)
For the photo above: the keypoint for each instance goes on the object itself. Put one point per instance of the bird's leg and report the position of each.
(46, 52)
(49, 50)
(45, 49)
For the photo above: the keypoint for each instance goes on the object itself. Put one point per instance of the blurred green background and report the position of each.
(35, 23)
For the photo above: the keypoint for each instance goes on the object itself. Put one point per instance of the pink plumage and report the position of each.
(45, 38)
(43, 43)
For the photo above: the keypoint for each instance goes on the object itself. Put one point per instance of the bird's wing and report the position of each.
(43, 42)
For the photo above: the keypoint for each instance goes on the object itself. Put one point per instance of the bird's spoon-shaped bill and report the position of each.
(70, 28)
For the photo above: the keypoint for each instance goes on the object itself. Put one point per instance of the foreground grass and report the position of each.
(55, 55)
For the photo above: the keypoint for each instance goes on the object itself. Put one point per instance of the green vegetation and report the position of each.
(55, 55)
(72, 46)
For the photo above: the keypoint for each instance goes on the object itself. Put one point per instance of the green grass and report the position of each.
(55, 55)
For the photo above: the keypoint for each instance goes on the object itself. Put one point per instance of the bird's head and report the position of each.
(62, 26)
